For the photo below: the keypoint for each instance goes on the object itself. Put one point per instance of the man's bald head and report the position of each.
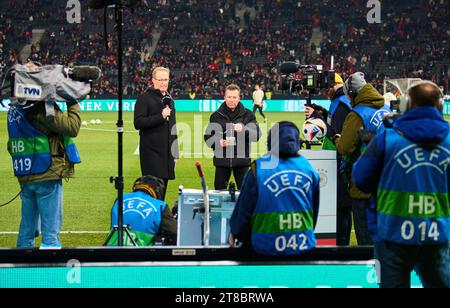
(425, 94)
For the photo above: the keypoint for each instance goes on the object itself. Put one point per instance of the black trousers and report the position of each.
(256, 107)
(223, 175)
(359, 208)
(344, 211)
(396, 262)
(165, 189)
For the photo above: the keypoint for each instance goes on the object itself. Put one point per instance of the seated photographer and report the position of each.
(150, 219)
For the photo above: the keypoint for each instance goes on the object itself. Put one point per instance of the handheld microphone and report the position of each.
(167, 100)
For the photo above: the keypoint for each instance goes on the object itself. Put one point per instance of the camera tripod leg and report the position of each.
(110, 235)
(116, 230)
(127, 231)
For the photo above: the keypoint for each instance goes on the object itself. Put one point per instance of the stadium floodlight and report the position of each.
(118, 181)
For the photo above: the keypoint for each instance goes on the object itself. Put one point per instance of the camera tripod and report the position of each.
(118, 181)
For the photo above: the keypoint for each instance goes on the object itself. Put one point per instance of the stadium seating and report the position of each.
(209, 44)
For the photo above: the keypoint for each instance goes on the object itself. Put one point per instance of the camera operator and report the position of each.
(339, 109)
(335, 116)
(43, 154)
(366, 116)
(407, 167)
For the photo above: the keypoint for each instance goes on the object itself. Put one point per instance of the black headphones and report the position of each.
(156, 183)
(350, 91)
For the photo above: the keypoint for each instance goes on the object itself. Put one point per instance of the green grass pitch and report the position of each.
(89, 196)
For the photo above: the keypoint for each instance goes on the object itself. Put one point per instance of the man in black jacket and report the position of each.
(230, 133)
(154, 117)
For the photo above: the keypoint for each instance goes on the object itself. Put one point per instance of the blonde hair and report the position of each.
(160, 69)
(233, 87)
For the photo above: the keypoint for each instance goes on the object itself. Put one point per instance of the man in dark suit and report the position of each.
(154, 117)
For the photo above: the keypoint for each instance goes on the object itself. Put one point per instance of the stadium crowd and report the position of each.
(208, 44)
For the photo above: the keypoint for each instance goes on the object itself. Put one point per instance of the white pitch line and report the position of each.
(107, 130)
(206, 155)
(62, 232)
(114, 122)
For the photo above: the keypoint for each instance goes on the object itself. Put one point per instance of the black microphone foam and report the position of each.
(167, 100)
(85, 73)
(289, 67)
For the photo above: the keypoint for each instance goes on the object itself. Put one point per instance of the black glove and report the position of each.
(319, 112)
(388, 120)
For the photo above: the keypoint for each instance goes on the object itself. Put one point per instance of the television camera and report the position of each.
(32, 83)
(309, 79)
